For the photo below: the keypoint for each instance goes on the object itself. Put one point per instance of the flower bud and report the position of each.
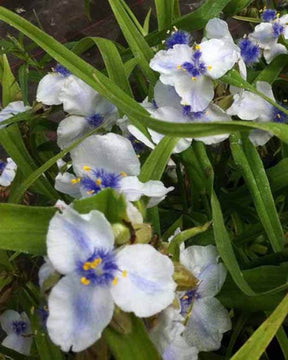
(184, 278)
(143, 233)
(122, 233)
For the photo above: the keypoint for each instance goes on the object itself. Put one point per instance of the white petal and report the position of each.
(63, 183)
(18, 343)
(6, 319)
(8, 173)
(13, 108)
(110, 152)
(259, 137)
(166, 62)
(263, 35)
(211, 280)
(73, 237)
(165, 95)
(274, 51)
(45, 271)
(140, 136)
(180, 350)
(77, 313)
(133, 214)
(49, 88)
(196, 93)
(148, 286)
(219, 54)
(206, 325)
(218, 29)
(71, 129)
(78, 98)
(197, 258)
(265, 88)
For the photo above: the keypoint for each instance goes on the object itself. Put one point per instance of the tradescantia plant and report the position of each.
(155, 224)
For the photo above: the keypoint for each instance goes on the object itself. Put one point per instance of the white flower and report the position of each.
(136, 277)
(192, 70)
(7, 172)
(166, 335)
(108, 161)
(13, 108)
(88, 110)
(249, 106)
(18, 329)
(266, 34)
(206, 318)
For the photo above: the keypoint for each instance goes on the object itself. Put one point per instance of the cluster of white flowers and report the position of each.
(96, 273)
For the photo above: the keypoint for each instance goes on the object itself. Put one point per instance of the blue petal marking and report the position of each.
(95, 120)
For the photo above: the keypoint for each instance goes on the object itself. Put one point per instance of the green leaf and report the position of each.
(155, 164)
(10, 88)
(256, 345)
(23, 82)
(24, 228)
(164, 10)
(146, 24)
(133, 346)
(108, 201)
(283, 341)
(134, 38)
(272, 71)
(235, 6)
(248, 160)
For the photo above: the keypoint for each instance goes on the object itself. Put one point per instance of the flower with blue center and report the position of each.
(269, 15)
(136, 278)
(108, 161)
(13, 108)
(7, 172)
(251, 107)
(191, 70)
(250, 51)
(177, 37)
(19, 334)
(87, 110)
(266, 35)
(50, 86)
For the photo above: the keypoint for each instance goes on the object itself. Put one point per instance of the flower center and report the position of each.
(19, 327)
(177, 37)
(138, 146)
(186, 109)
(279, 116)
(186, 301)
(60, 69)
(196, 67)
(2, 166)
(95, 120)
(269, 15)
(99, 269)
(250, 52)
(278, 29)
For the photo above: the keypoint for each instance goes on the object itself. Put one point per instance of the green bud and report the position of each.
(184, 279)
(122, 233)
(143, 233)
(121, 322)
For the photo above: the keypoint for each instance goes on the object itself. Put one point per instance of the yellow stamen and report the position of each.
(278, 15)
(194, 78)
(197, 47)
(179, 67)
(85, 281)
(87, 266)
(87, 168)
(123, 173)
(98, 182)
(75, 181)
(90, 192)
(175, 28)
(115, 281)
(210, 67)
(125, 273)
(279, 116)
(185, 297)
(96, 263)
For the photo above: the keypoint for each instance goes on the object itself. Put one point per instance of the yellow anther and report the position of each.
(179, 67)
(175, 28)
(115, 281)
(194, 78)
(87, 168)
(279, 116)
(96, 263)
(197, 47)
(98, 182)
(87, 266)
(123, 173)
(210, 67)
(75, 181)
(185, 297)
(85, 281)
(90, 192)
(125, 273)
(278, 15)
